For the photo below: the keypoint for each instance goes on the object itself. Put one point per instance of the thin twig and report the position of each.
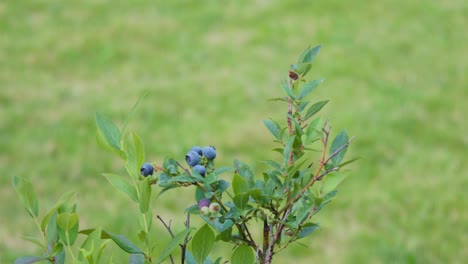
(186, 240)
(182, 167)
(168, 227)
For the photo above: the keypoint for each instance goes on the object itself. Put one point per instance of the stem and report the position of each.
(319, 168)
(168, 228)
(186, 240)
(266, 240)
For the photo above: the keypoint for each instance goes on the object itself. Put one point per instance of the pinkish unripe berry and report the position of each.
(205, 202)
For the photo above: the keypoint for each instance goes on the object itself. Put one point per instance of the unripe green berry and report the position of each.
(214, 208)
(205, 211)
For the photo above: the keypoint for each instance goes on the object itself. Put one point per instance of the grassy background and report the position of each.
(396, 75)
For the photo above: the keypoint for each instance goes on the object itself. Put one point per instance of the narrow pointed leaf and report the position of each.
(27, 195)
(132, 111)
(122, 185)
(125, 244)
(307, 230)
(109, 130)
(145, 195)
(287, 90)
(51, 230)
(173, 244)
(28, 260)
(273, 127)
(336, 148)
(309, 54)
(315, 108)
(287, 149)
(34, 240)
(308, 88)
(332, 180)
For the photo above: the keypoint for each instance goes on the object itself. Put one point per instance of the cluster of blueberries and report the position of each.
(193, 159)
(195, 156)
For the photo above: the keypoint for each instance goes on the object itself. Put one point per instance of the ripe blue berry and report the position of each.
(200, 169)
(197, 149)
(192, 158)
(209, 152)
(205, 202)
(147, 169)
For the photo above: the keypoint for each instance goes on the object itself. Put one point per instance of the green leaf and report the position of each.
(27, 195)
(308, 88)
(122, 185)
(256, 194)
(309, 54)
(109, 130)
(221, 227)
(125, 244)
(173, 244)
(189, 258)
(202, 243)
(136, 259)
(68, 225)
(51, 230)
(303, 68)
(134, 154)
(273, 164)
(273, 127)
(183, 178)
(277, 99)
(340, 140)
(132, 111)
(287, 149)
(331, 181)
(245, 171)
(288, 91)
(60, 258)
(27, 260)
(307, 229)
(243, 255)
(145, 195)
(34, 240)
(239, 184)
(315, 108)
(57, 249)
(64, 199)
(348, 162)
(90, 243)
(241, 200)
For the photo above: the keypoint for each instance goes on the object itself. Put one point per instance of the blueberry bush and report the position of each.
(282, 200)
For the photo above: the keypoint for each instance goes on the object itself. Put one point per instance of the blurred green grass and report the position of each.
(395, 73)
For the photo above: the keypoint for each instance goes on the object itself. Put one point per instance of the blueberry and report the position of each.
(192, 158)
(197, 149)
(200, 169)
(209, 152)
(147, 169)
(205, 202)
